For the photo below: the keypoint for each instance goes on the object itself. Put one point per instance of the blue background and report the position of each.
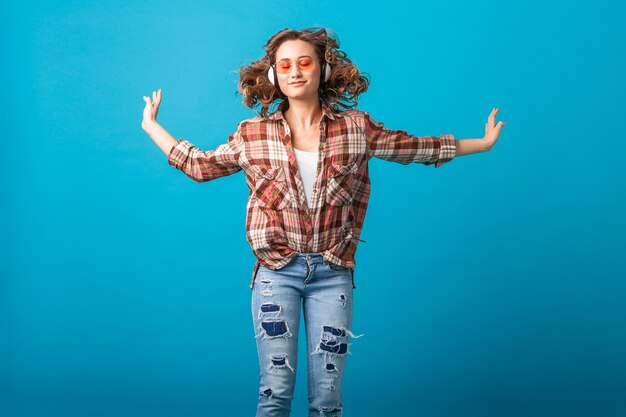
(492, 286)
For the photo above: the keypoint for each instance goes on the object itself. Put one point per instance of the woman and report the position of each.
(306, 168)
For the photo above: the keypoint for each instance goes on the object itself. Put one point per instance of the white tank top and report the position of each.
(307, 165)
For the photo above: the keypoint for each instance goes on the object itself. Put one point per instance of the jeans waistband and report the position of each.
(312, 257)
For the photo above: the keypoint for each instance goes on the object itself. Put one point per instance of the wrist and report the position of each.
(149, 126)
(484, 145)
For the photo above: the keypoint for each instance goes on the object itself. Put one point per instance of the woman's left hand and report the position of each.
(492, 130)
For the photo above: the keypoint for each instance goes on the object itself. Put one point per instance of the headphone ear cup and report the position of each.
(270, 75)
(326, 71)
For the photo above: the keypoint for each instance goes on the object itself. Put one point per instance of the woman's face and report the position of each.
(289, 52)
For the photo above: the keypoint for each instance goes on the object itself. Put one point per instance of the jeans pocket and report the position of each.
(336, 267)
(340, 268)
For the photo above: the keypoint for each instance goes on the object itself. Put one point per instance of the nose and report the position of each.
(294, 71)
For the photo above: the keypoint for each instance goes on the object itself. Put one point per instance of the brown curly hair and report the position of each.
(343, 88)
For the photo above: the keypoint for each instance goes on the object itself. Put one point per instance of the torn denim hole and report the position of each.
(269, 309)
(280, 361)
(267, 393)
(333, 346)
(330, 412)
(342, 297)
(332, 341)
(273, 329)
(266, 289)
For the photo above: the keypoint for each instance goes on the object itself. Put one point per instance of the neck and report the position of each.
(303, 114)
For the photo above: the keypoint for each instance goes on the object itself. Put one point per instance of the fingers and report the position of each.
(491, 120)
(156, 97)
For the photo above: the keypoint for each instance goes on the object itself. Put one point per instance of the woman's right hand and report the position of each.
(151, 110)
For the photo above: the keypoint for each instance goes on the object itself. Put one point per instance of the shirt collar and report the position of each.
(326, 112)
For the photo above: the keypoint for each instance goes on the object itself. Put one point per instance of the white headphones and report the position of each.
(271, 73)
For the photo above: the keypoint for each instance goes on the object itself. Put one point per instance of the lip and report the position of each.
(297, 83)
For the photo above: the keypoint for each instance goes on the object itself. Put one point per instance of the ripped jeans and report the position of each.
(325, 292)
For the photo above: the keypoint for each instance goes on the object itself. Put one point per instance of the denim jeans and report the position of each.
(324, 290)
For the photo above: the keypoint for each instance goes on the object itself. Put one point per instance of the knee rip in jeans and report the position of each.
(280, 361)
(333, 343)
(330, 411)
(272, 326)
(269, 310)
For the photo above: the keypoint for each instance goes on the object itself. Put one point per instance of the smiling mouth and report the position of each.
(298, 83)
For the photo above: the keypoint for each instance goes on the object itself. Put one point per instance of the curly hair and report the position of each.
(343, 88)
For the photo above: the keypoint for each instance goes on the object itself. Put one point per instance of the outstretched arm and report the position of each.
(492, 133)
(199, 165)
(404, 148)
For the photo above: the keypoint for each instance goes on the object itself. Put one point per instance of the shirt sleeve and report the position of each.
(202, 166)
(400, 146)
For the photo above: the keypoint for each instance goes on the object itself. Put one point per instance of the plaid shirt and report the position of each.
(279, 224)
